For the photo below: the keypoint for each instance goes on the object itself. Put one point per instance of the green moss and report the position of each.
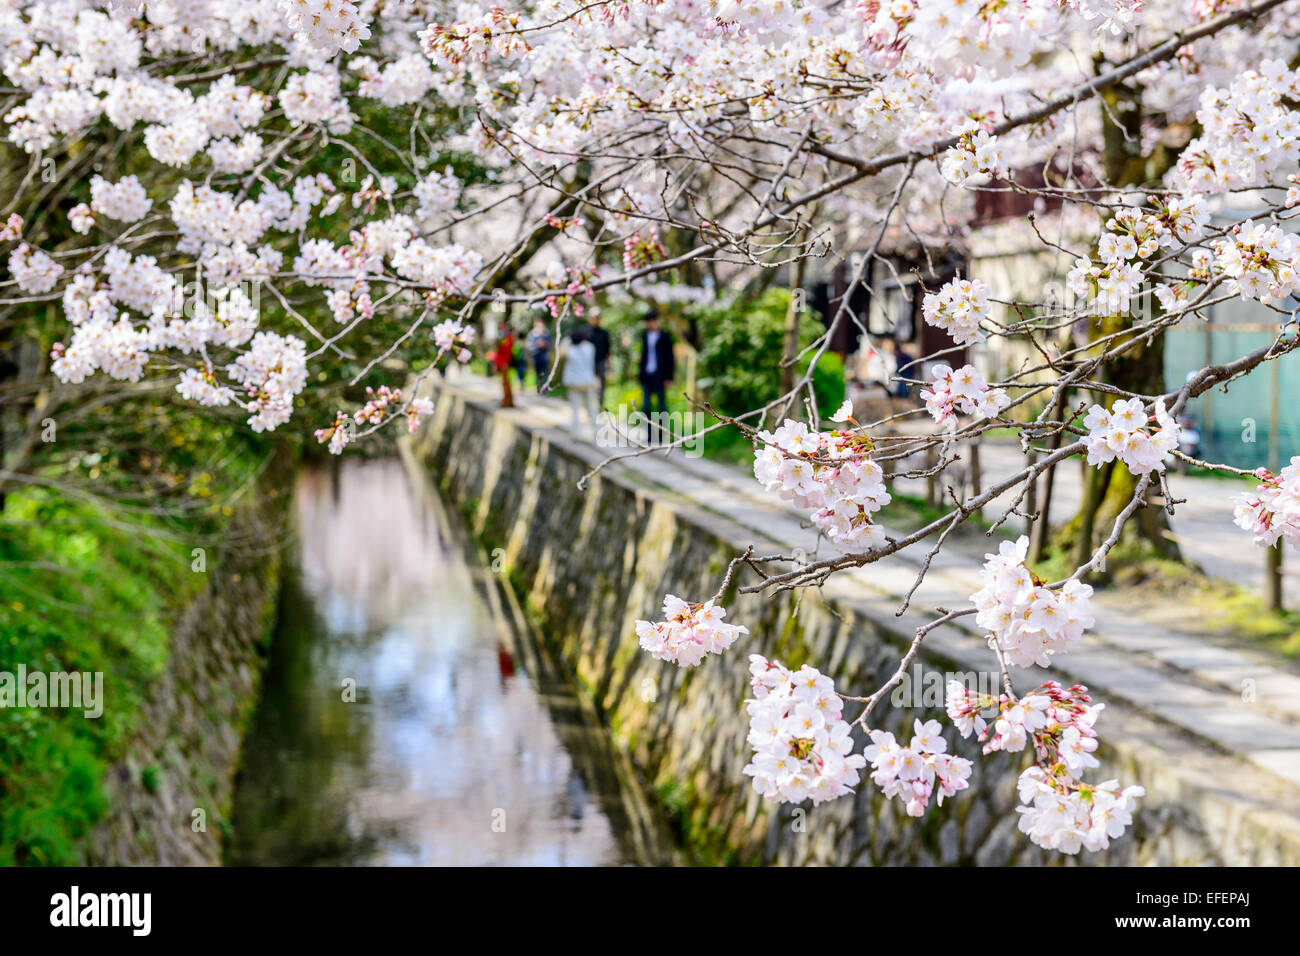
(83, 594)
(688, 818)
(790, 648)
(1212, 606)
(1237, 612)
(94, 588)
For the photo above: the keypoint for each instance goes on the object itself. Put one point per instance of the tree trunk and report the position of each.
(1042, 531)
(1141, 369)
(1273, 577)
(793, 313)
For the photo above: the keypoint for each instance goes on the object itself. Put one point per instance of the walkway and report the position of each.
(1202, 525)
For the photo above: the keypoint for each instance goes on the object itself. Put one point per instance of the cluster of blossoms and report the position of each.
(202, 386)
(802, 745)
(329, 25)
(964, 37)
(1126, 433)
(829, 474)
(454, 337)
(963, 390)
(377, 410)
(688, 632)
(1134, 235)
(877, 112)
(1107, 286)
(1259, 260)
(403, 81)
(575, 283)
(641, 250)
(495, 31)
(958, 308)
(1137, 233)
(351, 302)
(81, 218)
(1272, 510)
(976, 157)
(338, 433)
(1026, 619)
(33, 269)
(919, 770)
(118, 348)
(272, 372)
(1248, 131)
(1060, 811)
(125, 201)
(437, 193)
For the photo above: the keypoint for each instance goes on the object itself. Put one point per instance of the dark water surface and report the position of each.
(463, 745)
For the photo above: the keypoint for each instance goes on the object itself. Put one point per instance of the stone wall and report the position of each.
(587, 564)
(186, 754)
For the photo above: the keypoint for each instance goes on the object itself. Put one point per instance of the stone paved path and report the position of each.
(1238, 700)
(1202, 525)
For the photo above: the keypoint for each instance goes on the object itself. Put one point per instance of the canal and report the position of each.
(408, 716)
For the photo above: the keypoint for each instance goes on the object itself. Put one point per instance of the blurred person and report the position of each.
(655, 370)
(578, 376)
(539, 350)
(503, 359)
(1189, 441)
(519, 360)
(600, 339)
(907, 368)
(879, 364)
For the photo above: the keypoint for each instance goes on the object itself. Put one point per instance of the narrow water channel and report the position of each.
(407, 718)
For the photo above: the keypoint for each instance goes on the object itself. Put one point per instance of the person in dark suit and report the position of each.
(600, 338)
(656, 369)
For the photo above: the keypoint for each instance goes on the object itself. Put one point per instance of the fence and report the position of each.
(1256, 421)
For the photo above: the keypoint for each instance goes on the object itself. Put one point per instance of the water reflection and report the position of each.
(450, 753)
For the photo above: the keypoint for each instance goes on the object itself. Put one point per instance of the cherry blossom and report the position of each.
(34, 271)
(1125, 433)
(1060, 811)
(1028, 621)
(802, 745)
(915, 772)
(688, 632)
(976, 156)
(338, 434)
(1272, 511)
(963, 390)
(124, 200)
(829, 474)
(958, 308)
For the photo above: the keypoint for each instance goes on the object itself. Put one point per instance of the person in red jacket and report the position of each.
(503, 359)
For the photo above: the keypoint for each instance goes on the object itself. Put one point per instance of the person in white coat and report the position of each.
(579, 377)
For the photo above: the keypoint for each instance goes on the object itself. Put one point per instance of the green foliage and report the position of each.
(740, 359)
(739, 362)
(95, 565)
(151, 778)
(83, 593)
